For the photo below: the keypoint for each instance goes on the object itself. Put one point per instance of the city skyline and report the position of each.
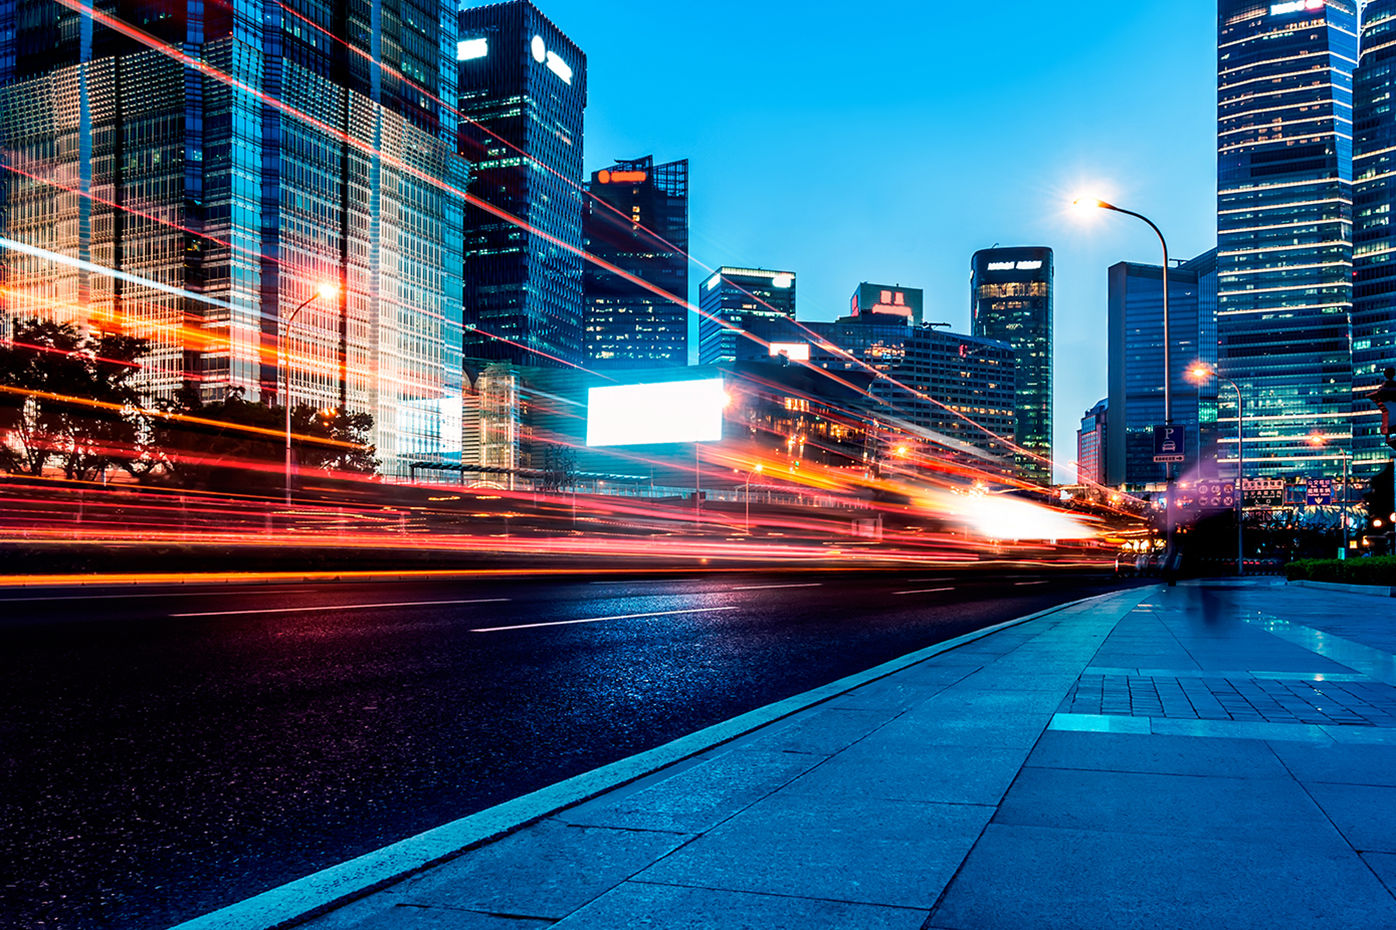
(1122, 105)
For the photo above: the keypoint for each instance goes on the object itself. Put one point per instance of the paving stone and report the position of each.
(1164, 755)
(1365, 814)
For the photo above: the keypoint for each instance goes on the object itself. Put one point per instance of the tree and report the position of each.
(346, 446)
(69, 396)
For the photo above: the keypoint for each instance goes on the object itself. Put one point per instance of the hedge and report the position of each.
(1378, 570)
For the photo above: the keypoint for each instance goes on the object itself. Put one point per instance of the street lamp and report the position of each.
(1318, 441)
(326, 290)
(1197, 375)
(1092, 202)
(747, 494)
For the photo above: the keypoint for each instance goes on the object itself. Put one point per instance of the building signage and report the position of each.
(543, 56)
(1295, 6)
(621, 177)
(470, 49)
(1170, 443)
(1014, 266)
(795, 351)
(1318, 492)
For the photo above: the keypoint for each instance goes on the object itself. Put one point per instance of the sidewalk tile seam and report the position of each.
(770, 894)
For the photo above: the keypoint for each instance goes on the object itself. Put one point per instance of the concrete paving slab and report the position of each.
(903, 768)
(1161, 755)
(1019, 877)
(638, 904)
(1339, 762)
(990, 701)
(428, 917)
(889, 695)
(1384, 865)
(698, 798)
(1365, 814)
(895, 853)
(1166, 805)
(545, 871)
(1006, 730)
(823, 732)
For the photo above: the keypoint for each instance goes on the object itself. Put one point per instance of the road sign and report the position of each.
(1170, 442)
(1319, 492)
(1212, 494)
(1264, 492)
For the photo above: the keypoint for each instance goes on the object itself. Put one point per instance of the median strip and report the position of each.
(297, 610)
(659, 613)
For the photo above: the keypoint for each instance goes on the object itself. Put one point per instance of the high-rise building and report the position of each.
(1136, 368)
(957, 390)
(1284, 223)
(888, 300)
(637, 220)
(1091, 441)
(1373, 236)
(1011, 301)
(732, 298)
(200, 208)
(522, 95)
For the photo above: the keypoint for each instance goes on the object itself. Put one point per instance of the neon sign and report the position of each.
(555, 64)
(470, 49)
(605, 176)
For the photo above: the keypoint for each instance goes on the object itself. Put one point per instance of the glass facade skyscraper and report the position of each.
(637, 219)
(1136, 368)
(522, 95)
(198, 207)
(1373, 237)
(1284, 224)
(739, 296)
(1011, 301)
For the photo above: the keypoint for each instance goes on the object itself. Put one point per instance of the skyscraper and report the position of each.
(737, 296)
(637, 219)
(199, 207)
(1136, 368)
(1373, 237)
(1011, 300)
(522, 95)
(1284, 223)
(1091, 441)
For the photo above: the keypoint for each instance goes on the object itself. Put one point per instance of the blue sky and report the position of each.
(887, 141)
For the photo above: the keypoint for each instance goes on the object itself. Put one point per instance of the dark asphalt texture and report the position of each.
(156, 767)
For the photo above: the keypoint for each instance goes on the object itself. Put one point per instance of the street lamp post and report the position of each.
(1200, 373)
(1167, 345)
(746, 493)
(326, 291)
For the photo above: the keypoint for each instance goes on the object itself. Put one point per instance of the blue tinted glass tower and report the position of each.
(730, 299)
(1374, 238)
(318, 146)
(1284, 224)
(522, 93)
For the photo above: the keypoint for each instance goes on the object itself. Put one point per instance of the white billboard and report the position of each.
(667, 411)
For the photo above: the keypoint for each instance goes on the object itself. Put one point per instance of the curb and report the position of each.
(323, 891)
(1373, 590)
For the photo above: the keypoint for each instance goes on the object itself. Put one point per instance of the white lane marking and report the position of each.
(658, 613)
(1020, 583)
(297, 610)
(763, 587)
(924, 591)
(646, 581)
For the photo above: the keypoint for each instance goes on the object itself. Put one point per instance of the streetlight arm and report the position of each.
(1139, 216)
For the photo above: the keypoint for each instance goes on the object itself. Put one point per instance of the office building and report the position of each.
(200, 211)
(888, 300)
(955, 391)
(1284, 223)
(521, 98)
(1373, 236)
(1136, 399)
(1091, 440)
(636, 219)
(1011, 301)
(731, 299)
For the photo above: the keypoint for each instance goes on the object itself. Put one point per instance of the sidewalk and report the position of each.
(1199, 756)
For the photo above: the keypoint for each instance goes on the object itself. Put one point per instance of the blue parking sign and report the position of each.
(1170, 443)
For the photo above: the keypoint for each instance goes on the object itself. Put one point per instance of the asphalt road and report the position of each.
(164, 752)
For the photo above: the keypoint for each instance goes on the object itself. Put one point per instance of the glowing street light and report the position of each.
(328, 291)
(1318, 441)
(1198, 374)
(1094, 203)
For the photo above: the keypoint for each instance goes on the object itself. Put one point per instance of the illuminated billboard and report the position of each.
(645, 414)
(795, 351)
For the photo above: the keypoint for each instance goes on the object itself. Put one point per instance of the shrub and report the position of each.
(1378, 570)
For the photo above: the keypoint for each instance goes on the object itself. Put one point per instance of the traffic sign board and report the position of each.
(1214, 494)
(1264, 492)
(1319, 492)
(1170, 443)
